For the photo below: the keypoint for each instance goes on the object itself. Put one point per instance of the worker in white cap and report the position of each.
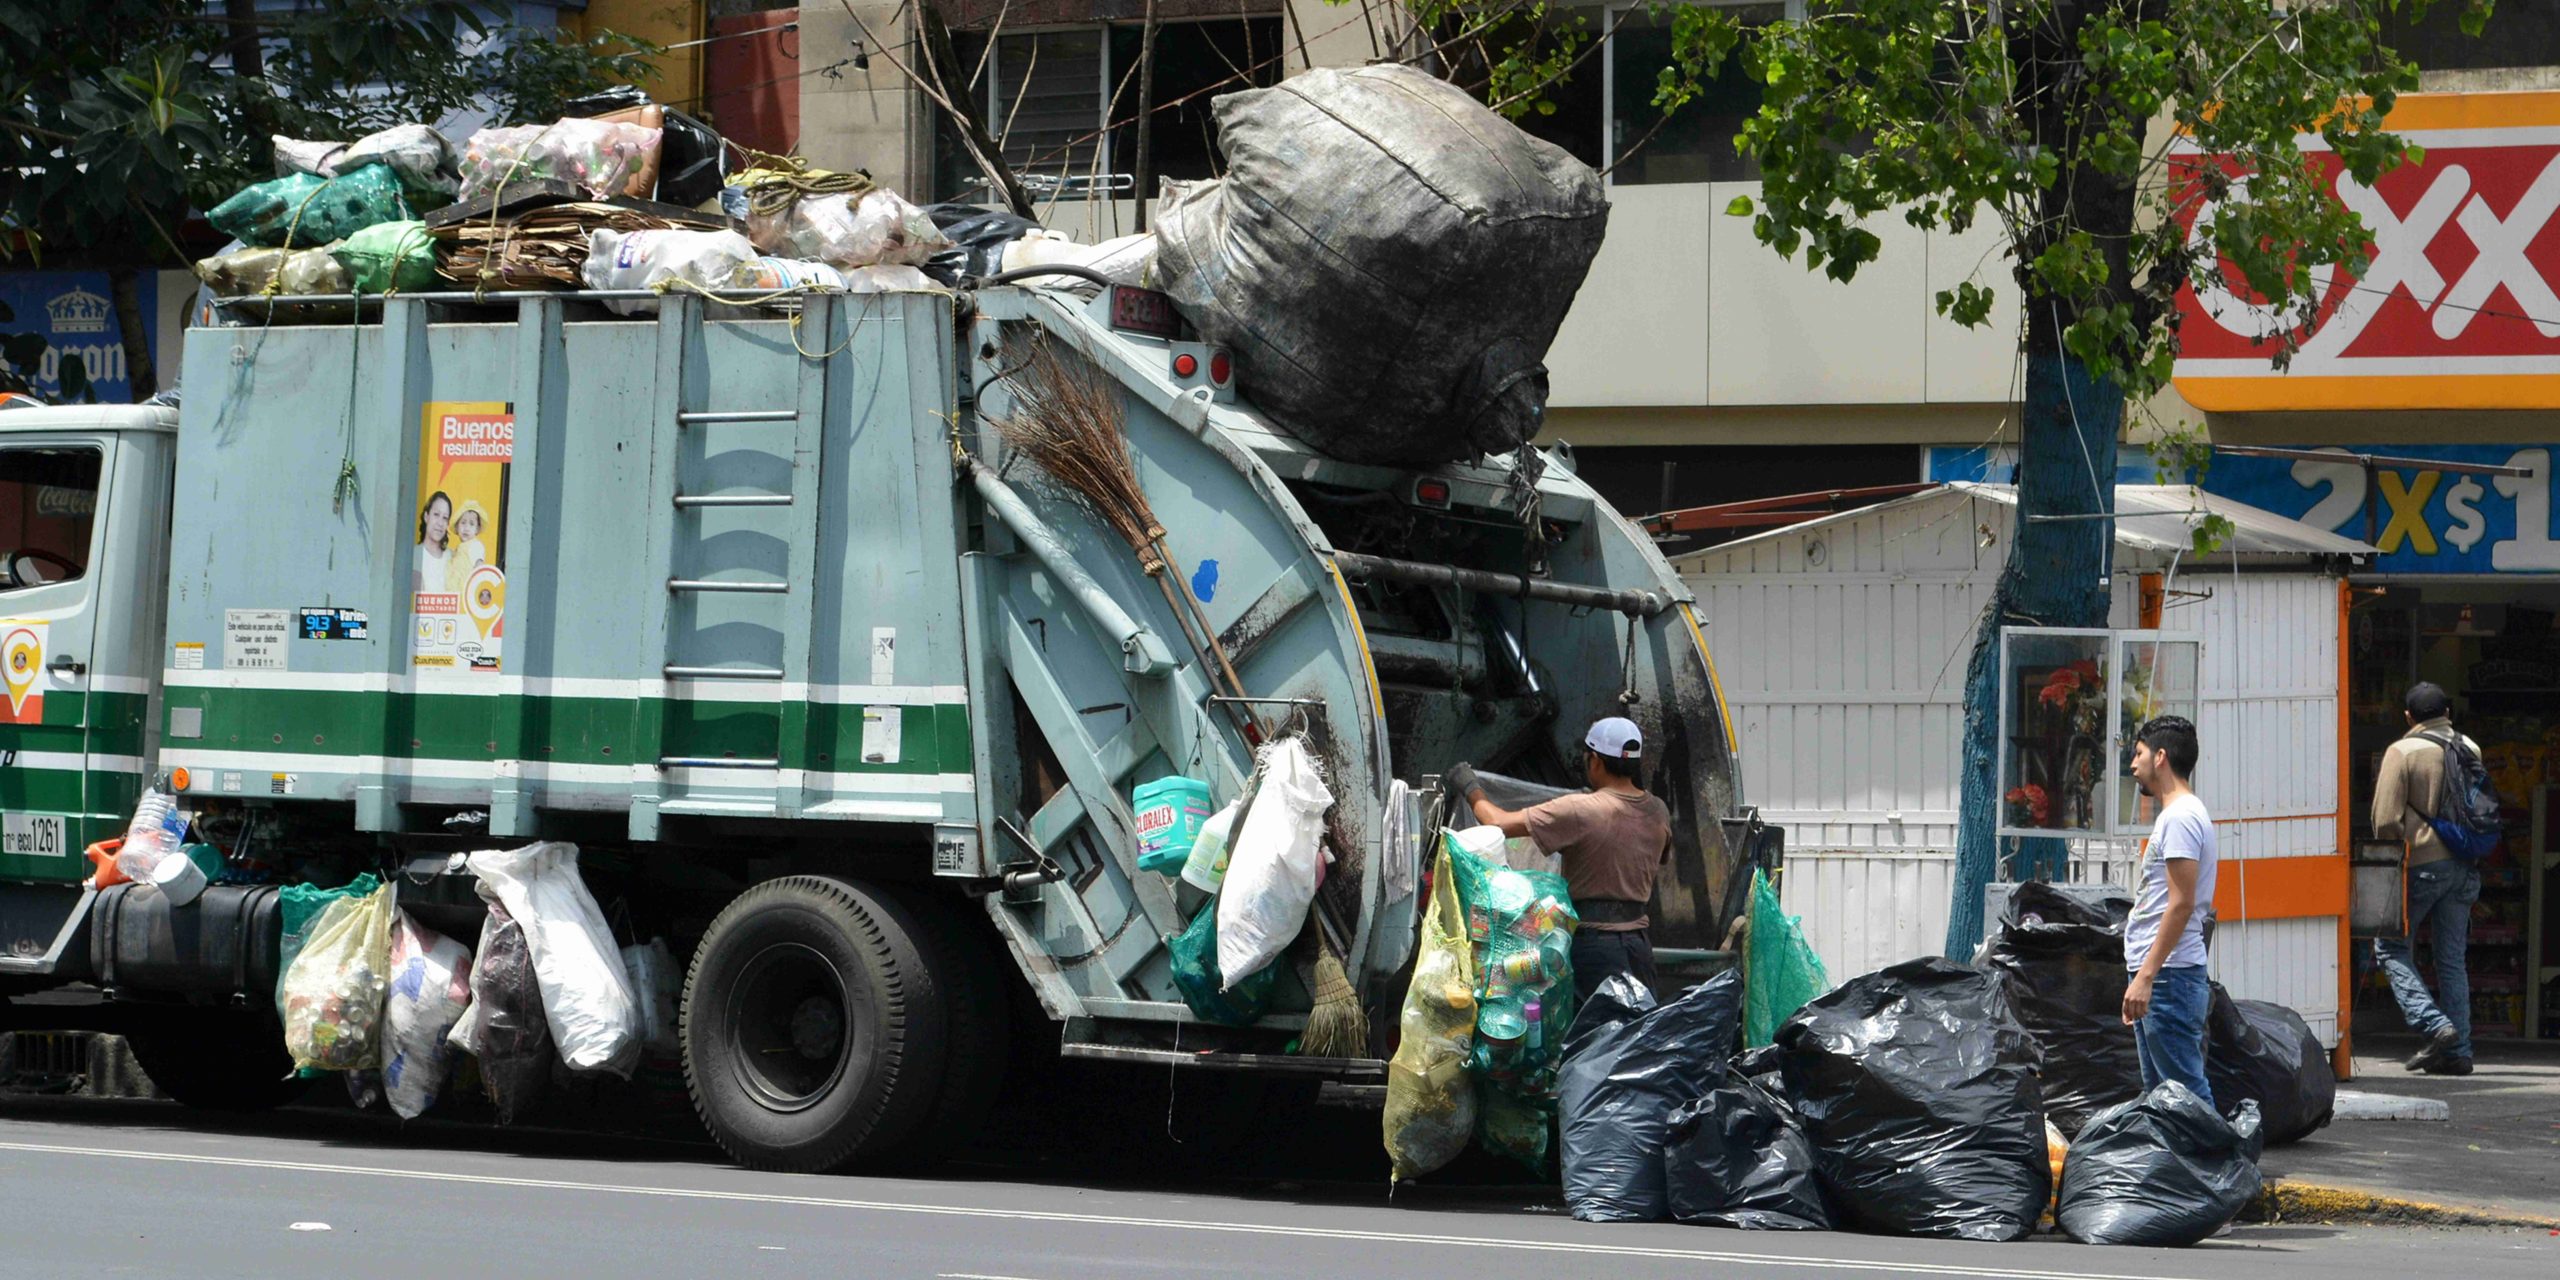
(1614, 839)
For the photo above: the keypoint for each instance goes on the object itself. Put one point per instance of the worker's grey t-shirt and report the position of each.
(2183, 830)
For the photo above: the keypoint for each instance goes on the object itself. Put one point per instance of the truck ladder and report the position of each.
(681, 393)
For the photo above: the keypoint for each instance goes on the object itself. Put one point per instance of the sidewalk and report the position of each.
(2500, 1151)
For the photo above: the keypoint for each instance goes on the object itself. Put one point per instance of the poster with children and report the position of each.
(458, 580)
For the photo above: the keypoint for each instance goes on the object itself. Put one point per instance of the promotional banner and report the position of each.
(2424, 520)
(50, 317)
(458, 576)
(2456, 310)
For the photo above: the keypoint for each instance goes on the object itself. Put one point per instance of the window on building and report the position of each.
(1605, 114)
(2517, 35)
(48, 508)
(1063, 104)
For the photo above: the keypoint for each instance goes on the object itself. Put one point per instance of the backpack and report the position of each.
(2466, 817)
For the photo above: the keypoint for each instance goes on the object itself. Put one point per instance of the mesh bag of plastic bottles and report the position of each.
(607, 159)
(334, 992)
(1780, 971)
(1431, 1101)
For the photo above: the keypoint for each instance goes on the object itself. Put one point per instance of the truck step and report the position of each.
(674, 671)
(1348, 1070)
(689, 500)
(715, 586)
(716, 762)
(706, 416)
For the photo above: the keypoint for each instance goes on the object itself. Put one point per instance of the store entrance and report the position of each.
(2492, 646)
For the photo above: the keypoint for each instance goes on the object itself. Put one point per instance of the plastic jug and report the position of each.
(1170, 814)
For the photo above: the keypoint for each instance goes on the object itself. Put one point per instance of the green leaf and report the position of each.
(1738, 207)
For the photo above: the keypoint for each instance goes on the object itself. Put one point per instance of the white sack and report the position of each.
(642, 259)
(586, 995)
(1275, 862)
(430, 989)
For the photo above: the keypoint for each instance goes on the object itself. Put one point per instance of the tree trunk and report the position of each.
(1146, 167)
(942, 65)
(125, 283)
(2055, 576)
(248, 58)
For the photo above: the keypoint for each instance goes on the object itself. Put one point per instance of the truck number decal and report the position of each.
(31, 835)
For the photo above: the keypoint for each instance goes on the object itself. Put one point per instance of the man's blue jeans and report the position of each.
(2170, 1036)
(2440, 896)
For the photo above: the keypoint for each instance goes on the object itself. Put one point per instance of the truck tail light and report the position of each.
(1221, 369)
(1431, 492)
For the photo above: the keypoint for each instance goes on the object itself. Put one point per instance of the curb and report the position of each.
(2290, 1200)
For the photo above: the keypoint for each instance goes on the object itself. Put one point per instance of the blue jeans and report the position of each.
(2440, 897)
(2170, 1036)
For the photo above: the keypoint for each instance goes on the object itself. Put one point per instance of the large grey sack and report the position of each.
(1388, 260)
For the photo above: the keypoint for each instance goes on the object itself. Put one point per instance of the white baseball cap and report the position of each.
(1616, 737)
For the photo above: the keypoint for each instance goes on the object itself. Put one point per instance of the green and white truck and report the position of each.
(829, 686)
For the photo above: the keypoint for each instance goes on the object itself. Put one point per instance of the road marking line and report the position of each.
(1083, 1219)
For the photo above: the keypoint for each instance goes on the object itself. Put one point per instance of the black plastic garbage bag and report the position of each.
(1919, 1091)
(1737, 1157)
(1618, 1088)
(2161, 1170)
(2265, 1053)
(978, 236)
(1619, 998)
(1388, 259)
(2060, 967)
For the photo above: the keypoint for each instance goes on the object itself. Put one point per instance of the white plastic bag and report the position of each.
(1519, 853)
(659, 986)
(430, 989)
(334, 990)
(1275, 862)
(642, 259)
(773, 275)
(586, 995)
(1124, 259)
(843, 232)
(889, 277)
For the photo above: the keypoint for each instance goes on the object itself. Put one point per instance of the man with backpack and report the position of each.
(2431, 796)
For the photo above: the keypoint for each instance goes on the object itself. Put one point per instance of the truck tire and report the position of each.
(967, 961)
(813, 1027)
(216, 1060)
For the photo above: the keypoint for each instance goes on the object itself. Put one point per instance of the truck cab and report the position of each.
(84, 520)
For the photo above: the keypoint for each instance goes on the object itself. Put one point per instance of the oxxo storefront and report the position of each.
(2432, 391)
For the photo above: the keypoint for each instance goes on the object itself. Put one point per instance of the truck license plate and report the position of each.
(33, 835)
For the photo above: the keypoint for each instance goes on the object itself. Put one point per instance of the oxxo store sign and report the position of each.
(2458, 309)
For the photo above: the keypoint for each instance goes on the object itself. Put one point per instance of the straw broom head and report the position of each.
(1067, 418)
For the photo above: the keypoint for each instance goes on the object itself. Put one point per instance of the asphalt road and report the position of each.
(99, 1188)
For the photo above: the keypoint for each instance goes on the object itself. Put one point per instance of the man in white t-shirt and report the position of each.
(2166, 998)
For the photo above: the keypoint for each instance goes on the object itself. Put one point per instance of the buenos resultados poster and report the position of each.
(458, 581)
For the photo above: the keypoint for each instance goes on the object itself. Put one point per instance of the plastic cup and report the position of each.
(177, 876)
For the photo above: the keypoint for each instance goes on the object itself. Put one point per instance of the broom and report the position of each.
(1067, 419)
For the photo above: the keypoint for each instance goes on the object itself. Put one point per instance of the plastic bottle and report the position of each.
(156, 832)
(1534, 1036)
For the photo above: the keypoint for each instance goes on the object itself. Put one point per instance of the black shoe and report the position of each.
(2438, 1047)
(2449, 1067)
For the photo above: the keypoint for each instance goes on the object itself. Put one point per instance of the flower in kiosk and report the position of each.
(2067, 681)
(2029, 805)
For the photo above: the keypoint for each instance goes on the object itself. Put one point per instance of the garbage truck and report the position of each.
(829, 681)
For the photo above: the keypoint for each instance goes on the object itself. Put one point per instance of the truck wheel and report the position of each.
(813, 1032)
(216, 1060)
(966, 961)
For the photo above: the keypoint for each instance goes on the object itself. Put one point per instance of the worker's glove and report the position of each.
(1460, 781)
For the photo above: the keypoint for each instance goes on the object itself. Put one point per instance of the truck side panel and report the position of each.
(582, 710)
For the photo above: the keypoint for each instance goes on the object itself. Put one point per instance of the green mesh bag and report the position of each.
(1195, 974)
(1780, 972)
(304, 210)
